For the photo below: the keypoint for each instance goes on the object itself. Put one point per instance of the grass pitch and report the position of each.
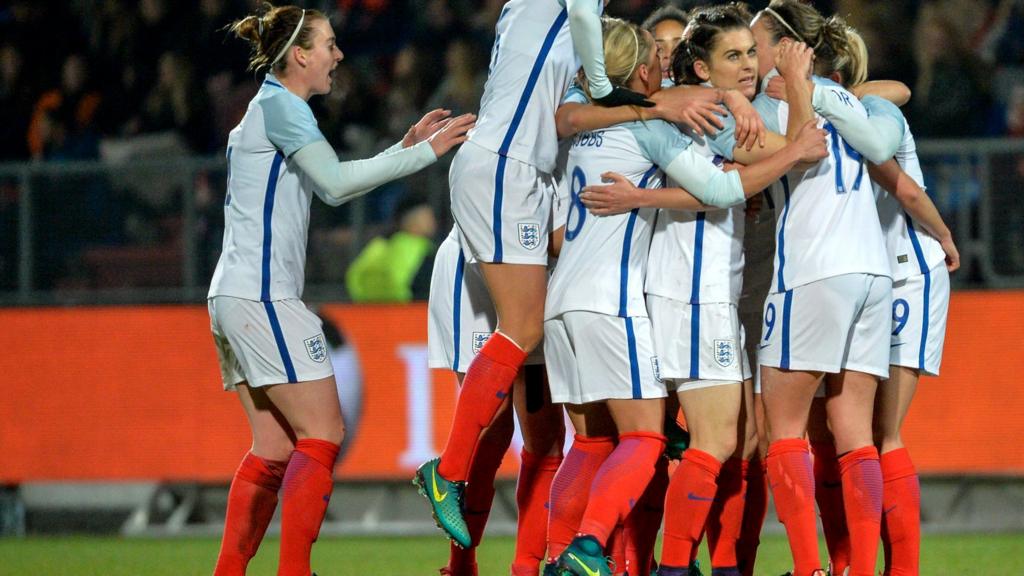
(957, 554)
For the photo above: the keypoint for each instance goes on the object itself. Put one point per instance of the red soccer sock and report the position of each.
(486, 385)
(687, 504)
(862, 495)
(725, 521)
(532, 492)
(901, 516)
(570, 489)
(754, 512)
(620, 482)
(828, 491)
(251, 504)
(791, 479)
(644, 522)
(478, 497)
(306, 491)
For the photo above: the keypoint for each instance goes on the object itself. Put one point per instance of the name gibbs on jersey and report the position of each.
(591, 139)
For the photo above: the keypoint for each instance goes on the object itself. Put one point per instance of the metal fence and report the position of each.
(150, 231)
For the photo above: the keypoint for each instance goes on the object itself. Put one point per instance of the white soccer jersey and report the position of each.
(826, 223)
(604, 258)
(697, 257)
(266, 210)
(532, 66)
(911, 249)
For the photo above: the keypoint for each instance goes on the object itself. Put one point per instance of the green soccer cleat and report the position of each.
(695, 565)
(677, 439)
(445, 502)
(584, 557)
(551, 569)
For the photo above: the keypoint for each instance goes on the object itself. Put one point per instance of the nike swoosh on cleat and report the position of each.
(584, 566)
(438, 497)
(700, 498)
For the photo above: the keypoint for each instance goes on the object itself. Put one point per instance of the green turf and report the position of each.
(84, 556)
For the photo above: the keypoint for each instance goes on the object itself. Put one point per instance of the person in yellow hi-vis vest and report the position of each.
(397, 268)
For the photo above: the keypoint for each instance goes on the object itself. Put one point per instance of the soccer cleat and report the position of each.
(445, 502)
(584, 557)
(677, 439)
(551, 569)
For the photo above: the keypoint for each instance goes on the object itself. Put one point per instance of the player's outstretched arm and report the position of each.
(620, 195)
(918, 205)
(587, 41)
(892, 90)
(337, 182)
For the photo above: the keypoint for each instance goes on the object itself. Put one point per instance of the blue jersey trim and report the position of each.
(272, 83)
(627, 242)
(282, 348)
(787, 306)
(698, 257)
(460, 269)
(634, 365)
(923, 265)
(268, 220)
(781, 244)
(524, 100)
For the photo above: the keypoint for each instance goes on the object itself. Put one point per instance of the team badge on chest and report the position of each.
(725, 353)
(529, 235)
(315, 348)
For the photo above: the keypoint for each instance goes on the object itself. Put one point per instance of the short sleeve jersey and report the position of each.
(697, 257)
(826, 220)
(911, 249)
(266, 209)
(532, 65)
(603, 260)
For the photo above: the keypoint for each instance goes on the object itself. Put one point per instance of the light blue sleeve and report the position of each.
(587, 40)
(724, 140)
(768, 108)
(660, 142)
(289, 122)
(575, 95)
(878, 106)
(876, 137)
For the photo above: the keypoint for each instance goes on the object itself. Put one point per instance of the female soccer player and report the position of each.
(596, 327)
(666, 24)
(270, 347)
(826, 313)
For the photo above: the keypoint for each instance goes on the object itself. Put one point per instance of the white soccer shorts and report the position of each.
(593, 357)
(502, 207)
(834, 324)
(264, 343)
(920, 304)
(697, 351)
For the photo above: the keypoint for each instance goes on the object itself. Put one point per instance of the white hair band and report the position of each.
(636, 55)
(784, 23)
(288, 44)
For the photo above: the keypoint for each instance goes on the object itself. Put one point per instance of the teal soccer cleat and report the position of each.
(584, 557)
(445, 502)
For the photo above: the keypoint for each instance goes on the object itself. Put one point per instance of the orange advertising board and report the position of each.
(134, 393)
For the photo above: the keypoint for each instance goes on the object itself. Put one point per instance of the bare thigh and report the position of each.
(591, 420)
(311, 408)
(892, 404)
(850, 405)
(638, 415)
(518, 292)
(787, 400)
(712, 417)
(272, 437)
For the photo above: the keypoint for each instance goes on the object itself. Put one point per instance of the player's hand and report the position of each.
(811, 142)
(776, 88)
(677, 106)
(750, 127)
(620, 96)
(793, 60)
(452, 133)
(952, 254)
(618, 197)
(426, 127)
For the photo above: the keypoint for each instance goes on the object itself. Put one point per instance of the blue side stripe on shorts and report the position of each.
(524, 100)
(268, 220)
(698, 261)
(919, 253)
(634, 365)
(460, 269)
(781, 244)
(627, 243)
(282, 348)
(787, 306)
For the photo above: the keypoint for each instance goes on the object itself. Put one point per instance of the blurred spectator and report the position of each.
(63, 122)
(176, 104)
(397, 268)
(15, 104)
(463, 83)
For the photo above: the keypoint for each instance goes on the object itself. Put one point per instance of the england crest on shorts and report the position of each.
(479, 339)
(529, 235)
(316, 349)
(725, 353)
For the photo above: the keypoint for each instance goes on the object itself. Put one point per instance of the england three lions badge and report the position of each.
(529, 235)
(725, 353)
(315, 348)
